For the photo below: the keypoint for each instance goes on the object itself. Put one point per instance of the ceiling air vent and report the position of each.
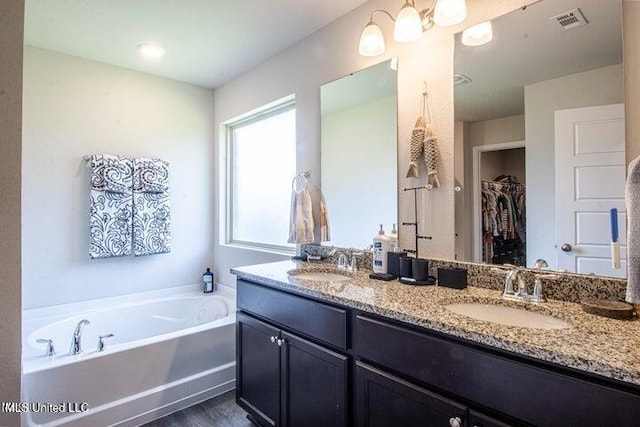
(460, 79)
(570, 20)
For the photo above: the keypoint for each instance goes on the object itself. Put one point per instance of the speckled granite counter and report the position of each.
(598, 345)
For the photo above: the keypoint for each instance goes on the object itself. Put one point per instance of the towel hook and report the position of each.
(305, 181)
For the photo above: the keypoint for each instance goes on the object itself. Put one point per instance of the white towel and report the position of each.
(301, 218)
(632, 201)
(325, 229)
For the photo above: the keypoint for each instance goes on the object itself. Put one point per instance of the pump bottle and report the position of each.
(381, 246)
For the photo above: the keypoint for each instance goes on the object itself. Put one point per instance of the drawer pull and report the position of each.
(455, 422)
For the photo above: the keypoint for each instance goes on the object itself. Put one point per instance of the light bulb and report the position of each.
(478, 34)
(371, 40)
(449, 12)
(408, 26)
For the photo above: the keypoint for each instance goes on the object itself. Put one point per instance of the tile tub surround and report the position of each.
(568, 287)
(598, 345)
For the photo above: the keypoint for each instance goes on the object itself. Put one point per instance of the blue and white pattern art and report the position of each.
(151, 209)
(111, 218)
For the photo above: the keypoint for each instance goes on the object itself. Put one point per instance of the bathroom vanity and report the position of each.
(369, 353)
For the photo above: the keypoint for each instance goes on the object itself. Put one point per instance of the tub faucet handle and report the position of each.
(50, 351)
(101, 341)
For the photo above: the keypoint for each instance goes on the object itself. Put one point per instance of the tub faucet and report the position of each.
(77, 334)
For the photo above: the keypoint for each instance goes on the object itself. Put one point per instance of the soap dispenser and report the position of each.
(381, 246)
(393, 237)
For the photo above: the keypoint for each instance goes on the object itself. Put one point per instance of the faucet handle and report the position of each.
(50, 351)
(538, 295)
(101, 341)
(353, 266)
(342, 260)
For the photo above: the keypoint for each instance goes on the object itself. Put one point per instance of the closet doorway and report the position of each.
(499, 203)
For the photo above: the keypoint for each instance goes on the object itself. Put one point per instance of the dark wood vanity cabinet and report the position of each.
(521, 392)
(284, 379)
(303, 362)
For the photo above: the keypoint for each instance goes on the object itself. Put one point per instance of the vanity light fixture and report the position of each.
(410, 23)
(151, 50)
(478, 34)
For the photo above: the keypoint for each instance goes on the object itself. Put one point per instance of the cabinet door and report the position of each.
(383, 400)
(258, 370)
(477, 419)
(314, 383)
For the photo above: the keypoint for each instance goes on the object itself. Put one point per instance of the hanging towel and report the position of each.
(151, 209)
(325, 231)
(632, 202)
(301, 219)
(110, 223)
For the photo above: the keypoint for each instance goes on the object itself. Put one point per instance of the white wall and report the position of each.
(11, 30)
(330, 53)
(541, 100)
(74, 107)
(358, 145)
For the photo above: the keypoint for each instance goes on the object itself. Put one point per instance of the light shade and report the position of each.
(478, 34)
(408, 26)
(151, 50)
(371, 40)
(449, 12)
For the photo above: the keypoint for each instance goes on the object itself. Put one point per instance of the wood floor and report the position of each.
(220, 411)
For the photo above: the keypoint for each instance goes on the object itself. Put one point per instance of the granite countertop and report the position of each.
(598, 345)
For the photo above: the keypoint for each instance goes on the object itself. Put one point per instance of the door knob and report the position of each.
(273, 339)
(455, 422)
(566, 247)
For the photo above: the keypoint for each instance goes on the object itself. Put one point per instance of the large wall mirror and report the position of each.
(539, 138)
(359, 154)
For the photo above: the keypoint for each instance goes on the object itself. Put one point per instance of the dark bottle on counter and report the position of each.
(208, 285)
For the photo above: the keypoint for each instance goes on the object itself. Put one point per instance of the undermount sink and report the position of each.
(509, 316)
(318, 276)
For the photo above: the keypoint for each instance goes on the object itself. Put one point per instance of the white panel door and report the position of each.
(590, 180)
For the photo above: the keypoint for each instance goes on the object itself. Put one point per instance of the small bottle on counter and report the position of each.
(393, 237)
(381, 246)
(208, 285)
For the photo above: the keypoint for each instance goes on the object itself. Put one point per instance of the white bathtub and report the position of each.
(170, 349)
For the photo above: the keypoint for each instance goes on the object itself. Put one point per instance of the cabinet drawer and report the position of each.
(385, 400)
(528, 392)
(311, 318)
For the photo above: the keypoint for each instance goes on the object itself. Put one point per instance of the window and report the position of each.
(261, 156)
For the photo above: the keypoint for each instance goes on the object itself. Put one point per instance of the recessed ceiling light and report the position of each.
(151, 50)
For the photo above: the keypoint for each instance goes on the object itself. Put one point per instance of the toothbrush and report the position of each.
(615, 245)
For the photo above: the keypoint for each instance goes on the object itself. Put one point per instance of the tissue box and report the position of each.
(455, 278)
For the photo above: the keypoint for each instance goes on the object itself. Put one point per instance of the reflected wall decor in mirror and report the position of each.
(359, 154)
(539, 138)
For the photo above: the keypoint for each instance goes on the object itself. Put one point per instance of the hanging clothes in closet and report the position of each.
(503, 221)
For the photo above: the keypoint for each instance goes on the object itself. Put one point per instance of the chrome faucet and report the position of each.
(509, 291)
(76, 348)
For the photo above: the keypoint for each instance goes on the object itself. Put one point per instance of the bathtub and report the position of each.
(169, 350)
